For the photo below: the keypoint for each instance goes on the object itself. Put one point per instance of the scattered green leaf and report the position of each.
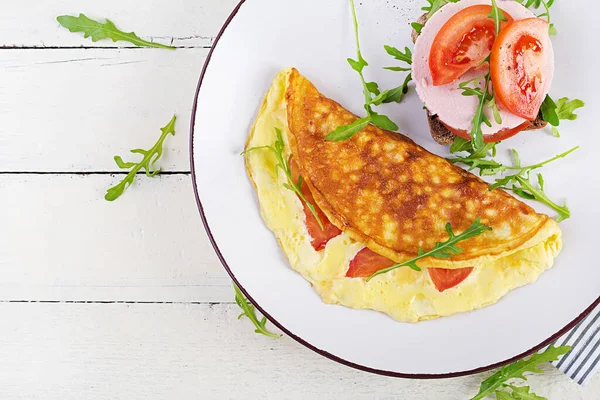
(562, 110)
(497, 15)
(373, 96)
(383, 122)
(435, 5)
(250, 311)
(565, 108)
(399, 55)
(397, 94)
(283, 164)
(445, 249)
(545, 4)
(417, 27)
(345, 132)
(149, 159)
(517, 370)
(521, 185)
(549, 113)
(523, 393)
(98, 31)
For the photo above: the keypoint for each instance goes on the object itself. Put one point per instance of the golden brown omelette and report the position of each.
(381, 197)
(391, 194)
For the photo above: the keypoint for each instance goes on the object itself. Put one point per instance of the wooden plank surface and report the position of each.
(32, 23)
(127, 300)
(74, 110)
(62, 241)
(175, 351)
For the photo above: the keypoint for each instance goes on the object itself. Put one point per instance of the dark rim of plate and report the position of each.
(324, 353)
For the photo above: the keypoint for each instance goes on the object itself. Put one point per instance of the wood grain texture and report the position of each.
(31, 23)
(74, 110)
(62, 241)
(174, 351)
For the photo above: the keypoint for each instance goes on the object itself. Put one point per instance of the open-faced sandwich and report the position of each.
(458, 48)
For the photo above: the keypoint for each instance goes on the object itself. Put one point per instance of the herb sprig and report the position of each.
(546, 4)
(98, 31)
(373, 97)
(445, 249)
(282, 164)
(492, 167)
(485, 94)
(520, 184)
(435, 5)
(250, 311)
(496, 384)
(397, 94)
(564, 109)
(149, 159)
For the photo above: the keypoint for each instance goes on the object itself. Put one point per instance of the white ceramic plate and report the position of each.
(315, 36)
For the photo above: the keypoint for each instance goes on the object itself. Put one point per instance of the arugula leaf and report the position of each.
(497, 15)
(383, 122)
(108, 30)
(517, 370)
(370, 89)
(459, 144)
(500, 395)
(445, 249)
(417, 26)
(485, 98)
(565, 108)
(250, 311)
(283, 164)
(522, 393)
(549, 113)
(345, 132)
(521, 185)
(435, 5)
(486, 94)
(486, 167)
(405, 56)
(476, 159)
(373, 88)
(398, 69)
(149, 159)
(397, 94)
(546, 4)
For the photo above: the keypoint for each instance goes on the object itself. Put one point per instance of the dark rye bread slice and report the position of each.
(442, 135)
(439, 132)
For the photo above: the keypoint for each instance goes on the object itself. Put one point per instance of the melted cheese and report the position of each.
(404, 294)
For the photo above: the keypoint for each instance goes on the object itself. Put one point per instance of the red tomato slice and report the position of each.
(445, 279)
(463, 43)
(496, 137)
(366, 263)
(319, 237)
(518, 64)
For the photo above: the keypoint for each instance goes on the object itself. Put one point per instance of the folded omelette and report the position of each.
(380, 198)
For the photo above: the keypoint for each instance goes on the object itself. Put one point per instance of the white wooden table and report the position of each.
(127, 300)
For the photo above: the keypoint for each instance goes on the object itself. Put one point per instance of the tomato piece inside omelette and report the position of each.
(367, 262)
(445, 279)
(319, 237)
